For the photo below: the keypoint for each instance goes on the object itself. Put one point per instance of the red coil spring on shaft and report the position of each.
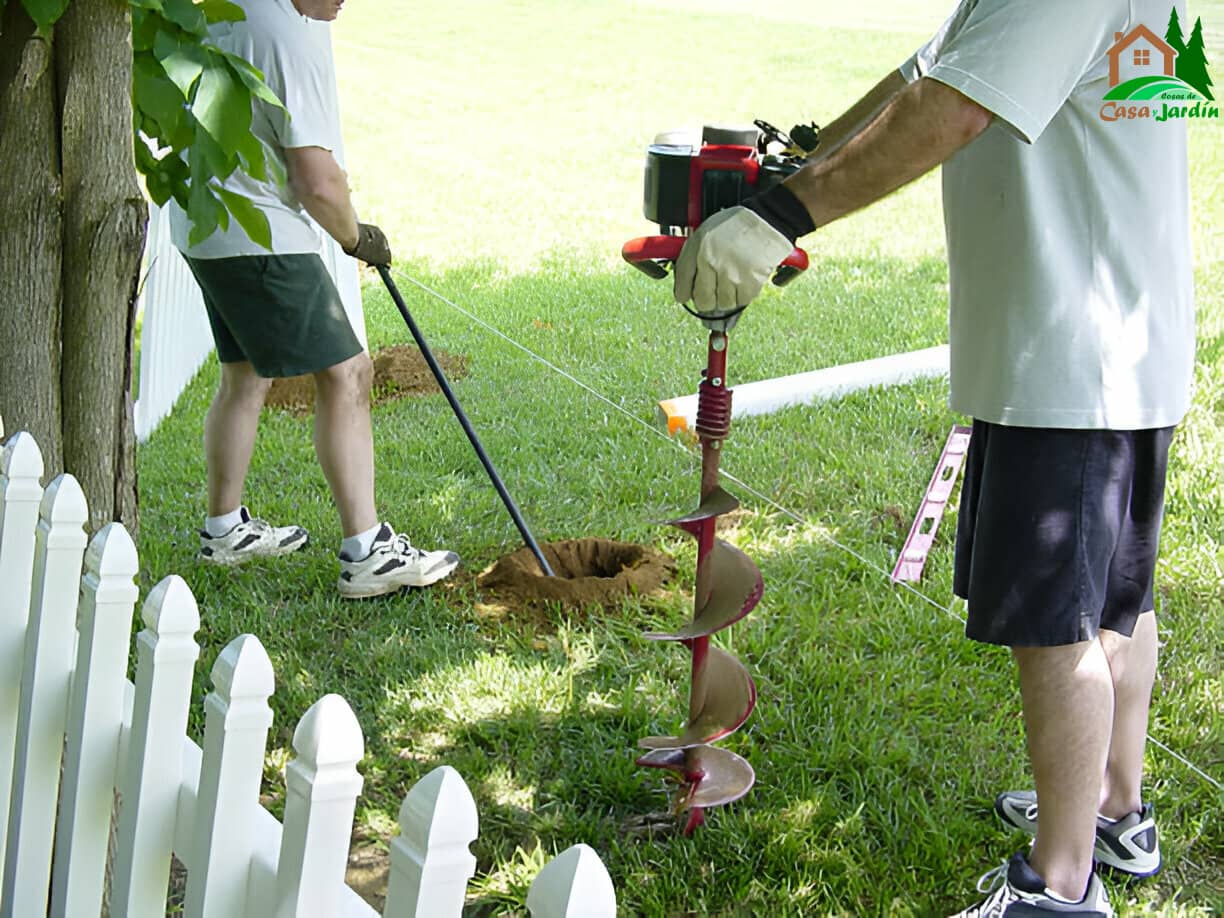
(713, 410)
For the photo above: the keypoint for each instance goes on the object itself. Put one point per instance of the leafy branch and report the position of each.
(191, 105)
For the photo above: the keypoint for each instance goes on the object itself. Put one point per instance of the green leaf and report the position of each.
(155, 96)
(145, 26)
(222, 11)
(208, 159)
(222, 105)
(45, 13)
(186, 15)
(184, 61)
(253, 220)
(204, 210)
(251, 77)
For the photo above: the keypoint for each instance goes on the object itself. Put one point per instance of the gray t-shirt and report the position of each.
(293, 55)
(1068, 235)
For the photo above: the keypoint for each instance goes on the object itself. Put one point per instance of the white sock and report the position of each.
(356, 547)
(219, 525)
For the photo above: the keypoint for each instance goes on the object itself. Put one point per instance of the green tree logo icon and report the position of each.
(1192, 59)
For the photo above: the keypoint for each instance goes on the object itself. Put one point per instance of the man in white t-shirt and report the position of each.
(277, 313)
(1072, 340)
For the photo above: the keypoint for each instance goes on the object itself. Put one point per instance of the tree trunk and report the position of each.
(30, 238)
(70, 245)
(104, 229)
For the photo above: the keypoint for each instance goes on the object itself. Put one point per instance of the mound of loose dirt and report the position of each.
(400, 371)
(586, 572)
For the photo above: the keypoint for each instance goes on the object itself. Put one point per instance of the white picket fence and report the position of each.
(74, 733)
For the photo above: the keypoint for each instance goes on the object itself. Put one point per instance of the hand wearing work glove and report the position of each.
(372, 246)
(727, 260)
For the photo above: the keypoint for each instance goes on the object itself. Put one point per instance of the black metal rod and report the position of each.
(385, 273)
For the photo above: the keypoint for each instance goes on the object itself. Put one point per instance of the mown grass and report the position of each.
(500, 144)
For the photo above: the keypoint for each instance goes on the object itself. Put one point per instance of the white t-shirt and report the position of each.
(291, 53)
(1068, 236)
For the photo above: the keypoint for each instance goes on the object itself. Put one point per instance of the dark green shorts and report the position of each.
(282, 313)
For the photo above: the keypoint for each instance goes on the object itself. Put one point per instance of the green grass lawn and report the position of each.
(501, 144)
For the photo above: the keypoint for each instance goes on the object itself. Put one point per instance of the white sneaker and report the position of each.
(252, 538)
(1129, 845)
(1015, 891)
(392, 564)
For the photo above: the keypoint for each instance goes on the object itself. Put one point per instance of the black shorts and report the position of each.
(1058, 532)
(282, 313)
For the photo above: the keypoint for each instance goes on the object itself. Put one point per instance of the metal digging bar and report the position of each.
(385, 273)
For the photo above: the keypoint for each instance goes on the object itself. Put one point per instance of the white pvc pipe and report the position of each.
(818, 385)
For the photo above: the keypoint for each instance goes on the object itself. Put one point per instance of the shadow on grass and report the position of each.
(881, 734)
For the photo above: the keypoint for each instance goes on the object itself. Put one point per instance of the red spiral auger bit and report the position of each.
(728, 587)
(686, 183)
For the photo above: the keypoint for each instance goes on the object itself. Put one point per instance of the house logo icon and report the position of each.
(1159, 78)
(1140, 52)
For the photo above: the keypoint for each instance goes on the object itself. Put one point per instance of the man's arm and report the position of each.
(727, 260)
(924, 124)
(835, 134)
(319, 183)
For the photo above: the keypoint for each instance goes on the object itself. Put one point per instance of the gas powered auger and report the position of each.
(685, 184)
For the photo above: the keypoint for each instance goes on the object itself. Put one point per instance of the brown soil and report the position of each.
(586, 572)
(399, 371)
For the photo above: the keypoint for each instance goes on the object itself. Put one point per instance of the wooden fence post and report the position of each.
(95, 723)
(574, 884)
(50, 639)
(21, 471)
(152, 773)
(322, 788)
(430, 860)
(235, 736)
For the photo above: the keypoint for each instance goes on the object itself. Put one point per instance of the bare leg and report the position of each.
(229, 434)
(1132, 662)
(344, 440)
(1068, 711)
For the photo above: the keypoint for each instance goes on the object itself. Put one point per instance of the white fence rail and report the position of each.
(76, 736)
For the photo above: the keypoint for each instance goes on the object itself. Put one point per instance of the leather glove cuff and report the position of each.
(372, 246)
(781, 209)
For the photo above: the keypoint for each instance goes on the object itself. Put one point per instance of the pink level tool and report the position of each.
(934, 502)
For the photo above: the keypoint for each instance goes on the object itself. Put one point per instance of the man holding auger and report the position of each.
(1072, 348)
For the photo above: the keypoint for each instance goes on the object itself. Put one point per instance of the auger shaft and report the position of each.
(713, 426)
(728, 586)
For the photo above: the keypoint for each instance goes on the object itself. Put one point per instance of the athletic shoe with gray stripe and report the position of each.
(252, 538)
(1014, 890)
(1129, 845)
(393, 563)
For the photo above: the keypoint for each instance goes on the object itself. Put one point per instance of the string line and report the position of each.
(763, 498)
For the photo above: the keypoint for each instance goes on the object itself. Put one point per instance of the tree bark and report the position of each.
(104, 230)
(71, 237)
(30, 238)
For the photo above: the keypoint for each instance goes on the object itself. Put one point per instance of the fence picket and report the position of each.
(574, 884)
(95, 722)
(152, 772)
(21, 471)
(50, 637)
(235, 736)
(430, 860)
(322, 788)
(65, 701)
